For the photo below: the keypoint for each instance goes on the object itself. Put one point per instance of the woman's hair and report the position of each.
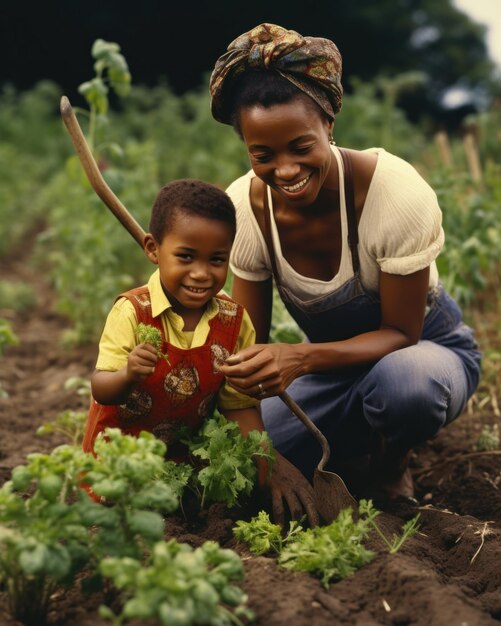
(263, 88)
(190, 197)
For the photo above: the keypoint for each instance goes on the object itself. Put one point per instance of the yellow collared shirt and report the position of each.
(119, 337)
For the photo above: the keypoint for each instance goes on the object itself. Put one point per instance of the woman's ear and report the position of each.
(330, 130)
(151, 248)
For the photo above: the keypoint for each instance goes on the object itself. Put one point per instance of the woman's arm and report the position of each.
(256, 298)
(275, 366)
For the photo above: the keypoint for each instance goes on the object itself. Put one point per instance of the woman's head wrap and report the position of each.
(312, 64)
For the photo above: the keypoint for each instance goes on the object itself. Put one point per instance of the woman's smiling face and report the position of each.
(289, 149)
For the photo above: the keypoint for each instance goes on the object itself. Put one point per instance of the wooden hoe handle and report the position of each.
(94, 175)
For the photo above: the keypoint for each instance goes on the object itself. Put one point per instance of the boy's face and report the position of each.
(193, 260)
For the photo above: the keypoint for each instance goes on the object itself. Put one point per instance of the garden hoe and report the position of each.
(330, 492)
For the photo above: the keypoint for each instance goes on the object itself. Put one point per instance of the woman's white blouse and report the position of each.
(400, 231)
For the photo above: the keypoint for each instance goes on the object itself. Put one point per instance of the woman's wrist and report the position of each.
(303, 355)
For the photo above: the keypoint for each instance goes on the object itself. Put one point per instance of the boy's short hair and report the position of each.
(191, 197)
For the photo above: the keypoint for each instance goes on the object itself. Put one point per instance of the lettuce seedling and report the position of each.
(179, 586)
(50, 528)
(262, 536)
(150, 334)
(229, 470)
(131, 474)
(329, 552)
(69, 424)
(43, 539)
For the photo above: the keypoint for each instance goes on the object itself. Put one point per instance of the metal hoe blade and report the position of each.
(330, 492)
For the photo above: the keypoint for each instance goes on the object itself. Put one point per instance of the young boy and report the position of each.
(192, 228)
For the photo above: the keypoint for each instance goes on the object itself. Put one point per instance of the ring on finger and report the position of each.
(261, 389)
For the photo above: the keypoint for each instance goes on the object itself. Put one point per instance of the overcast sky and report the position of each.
(487, 12)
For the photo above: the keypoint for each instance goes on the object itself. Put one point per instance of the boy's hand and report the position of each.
(141, 362)
(288, 483)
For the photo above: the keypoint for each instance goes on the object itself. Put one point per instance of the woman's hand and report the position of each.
(289, 487)
(264, 370)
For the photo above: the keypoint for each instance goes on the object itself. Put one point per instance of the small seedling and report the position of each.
(329, 552)
(149, 334)
(7, 336)
(488, 439)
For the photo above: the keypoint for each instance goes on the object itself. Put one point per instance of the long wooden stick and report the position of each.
(94, 175)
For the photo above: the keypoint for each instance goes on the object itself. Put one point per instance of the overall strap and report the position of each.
(350, 214)
(349, 196)
(269, 238)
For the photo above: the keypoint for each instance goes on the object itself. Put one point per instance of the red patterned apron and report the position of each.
(181, 391)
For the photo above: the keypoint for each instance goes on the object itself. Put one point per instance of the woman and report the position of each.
(350, 238)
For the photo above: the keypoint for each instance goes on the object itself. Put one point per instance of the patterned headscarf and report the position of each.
(312, 64)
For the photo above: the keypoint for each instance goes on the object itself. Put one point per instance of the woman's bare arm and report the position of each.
(275, 366)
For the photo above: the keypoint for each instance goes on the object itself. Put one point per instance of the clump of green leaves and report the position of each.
(50, 528)
(329, 552)
(7, 336)
(16, 296)
(179, 586)
(150, 334)
(395, 542)
(229, 470)
(130, 474)
(70, 424)
(44, 541)
(488, 438)
(111, 72)
(262, 535)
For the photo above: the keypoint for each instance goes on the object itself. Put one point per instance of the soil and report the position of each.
(447, 574)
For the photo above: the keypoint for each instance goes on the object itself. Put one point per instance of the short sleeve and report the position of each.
(249, 258)
(228, 397)
(404, 221)
(118, 338)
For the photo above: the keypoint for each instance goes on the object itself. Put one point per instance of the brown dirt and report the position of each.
(448, 574)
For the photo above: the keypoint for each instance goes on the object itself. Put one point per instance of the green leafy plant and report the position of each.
(16, 296)
(50, 528)
(261, 535)
(130, 475)
(44, 541)
(179, 586)
(329, 552)
(229, 470)
(150, 334)
(7, 336)
(395, 542)
(70, 424)
(488, 438)
(79, 384)
(111, 72)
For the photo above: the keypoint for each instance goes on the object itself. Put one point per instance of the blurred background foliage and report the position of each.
(149, 134)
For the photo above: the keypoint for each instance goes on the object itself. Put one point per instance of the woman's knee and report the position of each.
(405, 397)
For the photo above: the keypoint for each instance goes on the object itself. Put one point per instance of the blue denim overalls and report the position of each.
(406, 397)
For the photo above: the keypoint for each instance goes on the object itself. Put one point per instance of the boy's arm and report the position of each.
(286, 481)
(113, 387)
